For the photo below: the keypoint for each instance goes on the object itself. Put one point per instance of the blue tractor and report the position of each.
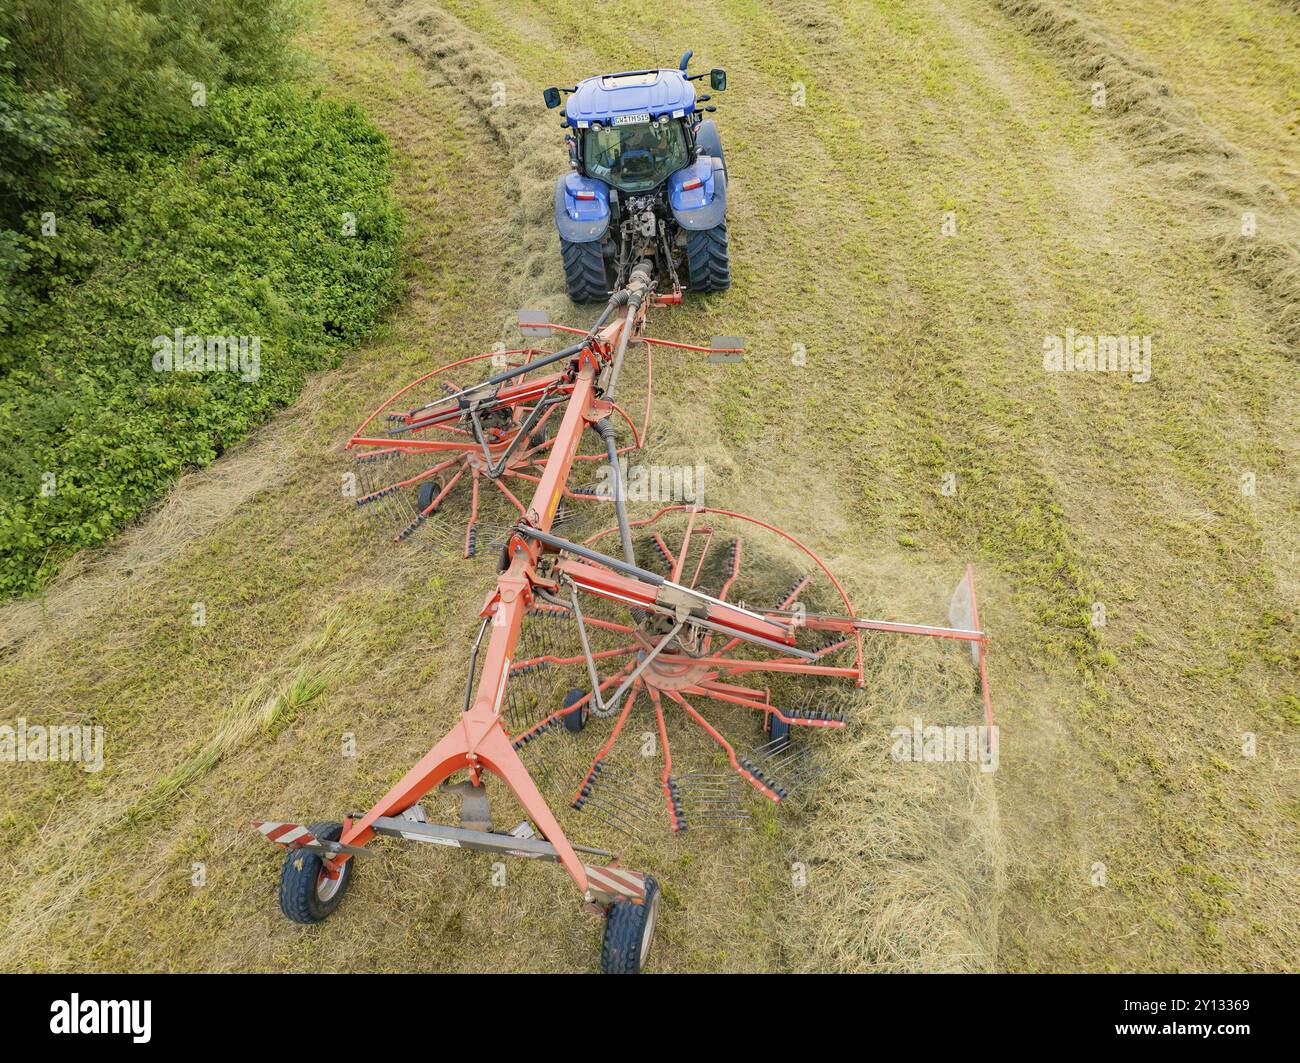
(647, 180)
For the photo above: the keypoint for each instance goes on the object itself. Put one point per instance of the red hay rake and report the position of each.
(690, 618)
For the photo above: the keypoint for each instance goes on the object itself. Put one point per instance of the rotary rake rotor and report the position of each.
(449, 460)
(656, 672)
(667, 668)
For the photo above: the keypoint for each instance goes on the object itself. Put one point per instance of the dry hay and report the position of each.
(1209, 174)
(71, 858)
(526, 135)
(903, 861)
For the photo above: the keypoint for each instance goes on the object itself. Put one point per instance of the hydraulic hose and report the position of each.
(605, 430)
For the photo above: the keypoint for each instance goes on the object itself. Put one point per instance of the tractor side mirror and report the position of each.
(552, 98)
(717, 79)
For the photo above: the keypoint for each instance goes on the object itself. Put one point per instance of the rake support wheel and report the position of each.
(629, 932)
(575, 721)
(307, 894)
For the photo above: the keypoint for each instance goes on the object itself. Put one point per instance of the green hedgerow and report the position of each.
(271, 219)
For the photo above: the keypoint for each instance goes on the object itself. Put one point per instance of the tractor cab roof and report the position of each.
(635, 92)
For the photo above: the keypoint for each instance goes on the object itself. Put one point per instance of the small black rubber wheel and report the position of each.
(706, 259)
(428, 491)
(778, 730)
(575, 721)
(307, 895)
(629, 930)
(584, 271)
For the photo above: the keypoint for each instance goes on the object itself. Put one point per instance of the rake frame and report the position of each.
(538, 569)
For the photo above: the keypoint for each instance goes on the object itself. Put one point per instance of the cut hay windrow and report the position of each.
(1211, 175)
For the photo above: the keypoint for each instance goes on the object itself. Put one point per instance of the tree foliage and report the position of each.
(161, 169)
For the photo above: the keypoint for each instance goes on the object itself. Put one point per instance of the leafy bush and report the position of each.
(264, 214)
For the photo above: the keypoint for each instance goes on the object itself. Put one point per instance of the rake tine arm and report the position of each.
(675, 812)
(704, 552)
(410, 482)
(609, 744)
(510, 495)
(668, 555)
(786, 665)
(794, 592)
(506, 397)
(551, 658)
(428, 376)
(719, 692)
(586, 699)
(736, 766)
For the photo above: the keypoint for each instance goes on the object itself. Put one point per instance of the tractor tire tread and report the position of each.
(707, 261)
(584, 271)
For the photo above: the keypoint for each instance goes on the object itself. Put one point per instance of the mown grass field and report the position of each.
(1121, 744)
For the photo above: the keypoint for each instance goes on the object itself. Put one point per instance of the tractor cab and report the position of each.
(647, 176)
(631, 128)
(635, 157)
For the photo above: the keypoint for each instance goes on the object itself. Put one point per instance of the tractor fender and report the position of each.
(581, 220)
(705, 205)
(708, 140)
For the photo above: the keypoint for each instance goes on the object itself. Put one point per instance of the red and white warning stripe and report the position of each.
(287, 835)
(616, 882)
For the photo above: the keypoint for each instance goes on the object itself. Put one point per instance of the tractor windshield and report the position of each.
(635, 158)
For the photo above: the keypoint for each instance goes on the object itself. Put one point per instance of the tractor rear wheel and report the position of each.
(706, 259)
(708, 141)
(629, 929)
(584, 271)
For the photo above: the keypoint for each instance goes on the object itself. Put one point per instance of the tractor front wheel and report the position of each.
(584, 271)
(706, 259)
(307, 894)
(629, 929)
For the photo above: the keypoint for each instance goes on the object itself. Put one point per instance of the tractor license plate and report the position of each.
(631, 119)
